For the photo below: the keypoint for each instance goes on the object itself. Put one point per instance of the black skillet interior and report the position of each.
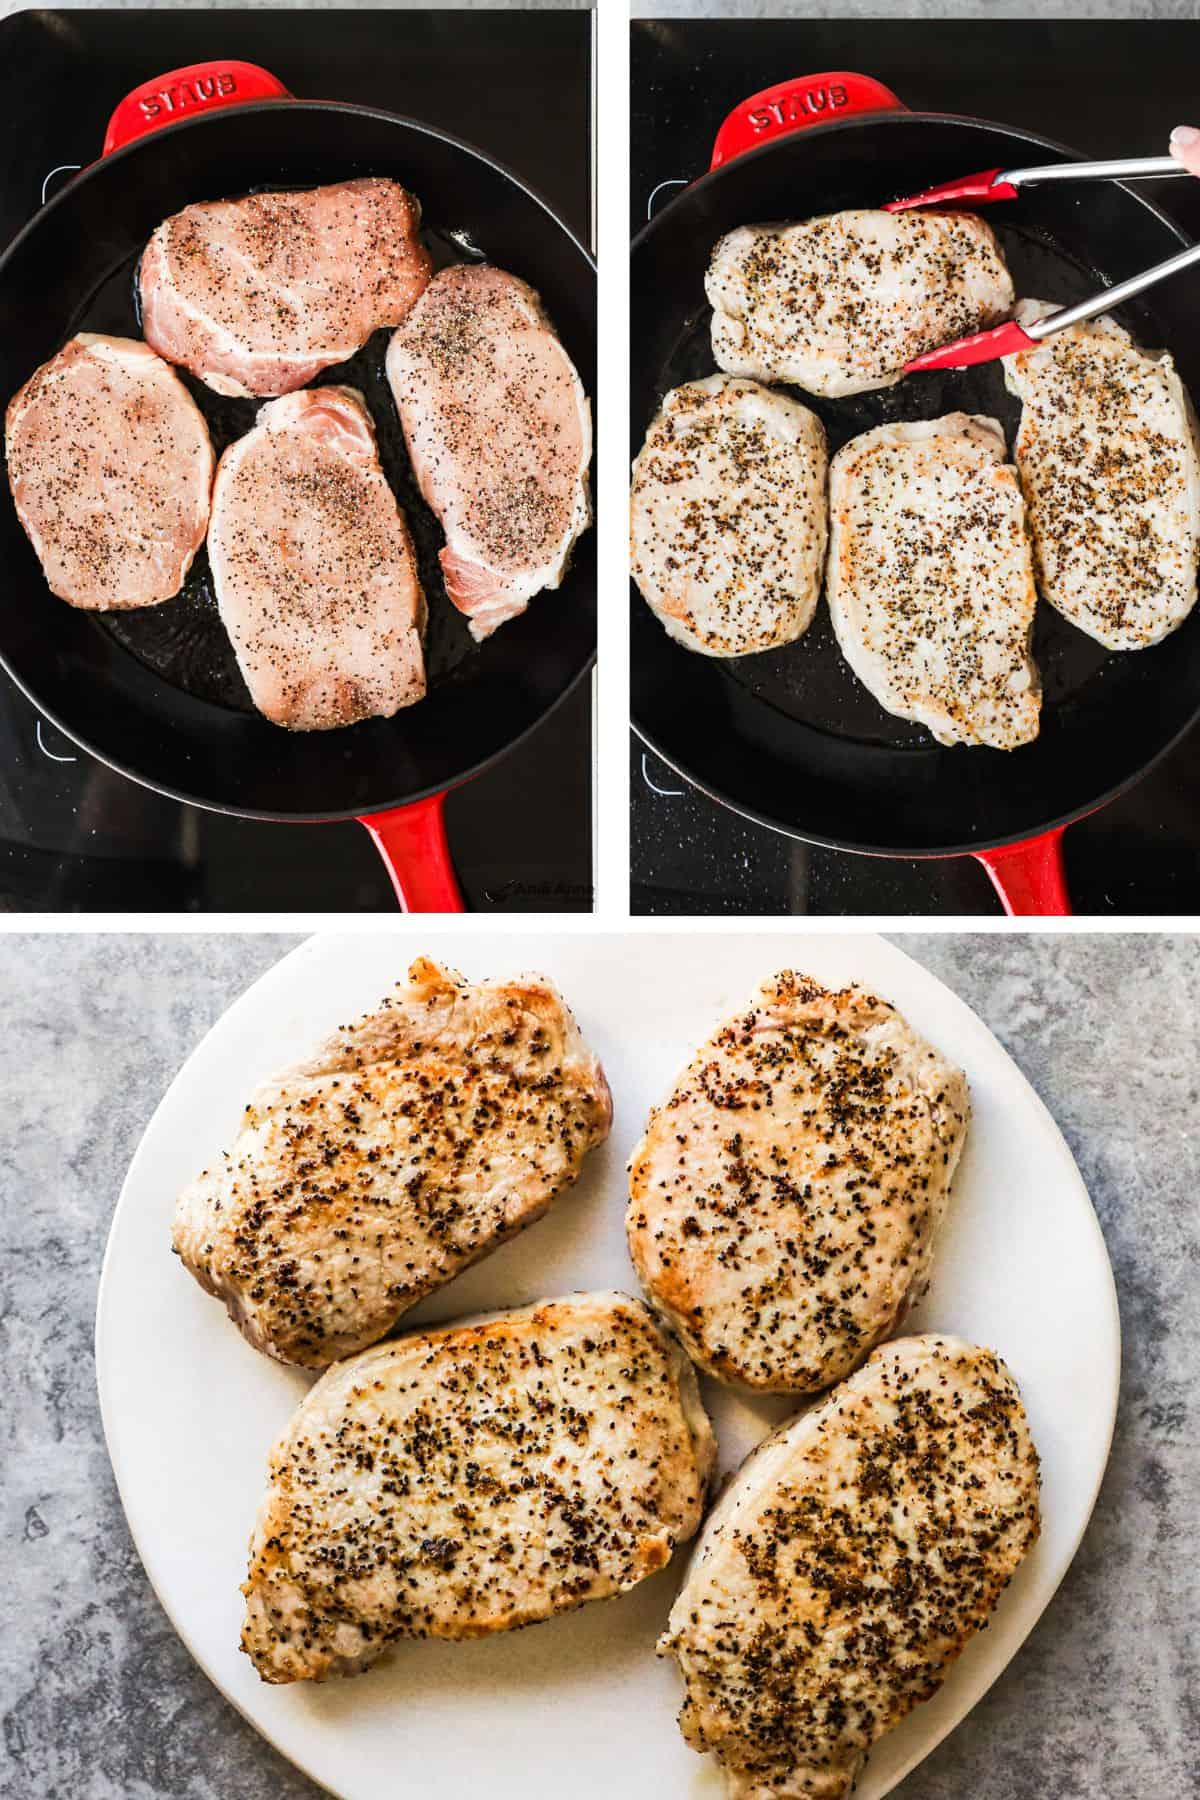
(157, 692)
(790, 736)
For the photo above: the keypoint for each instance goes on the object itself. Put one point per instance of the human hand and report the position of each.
(1185, 147)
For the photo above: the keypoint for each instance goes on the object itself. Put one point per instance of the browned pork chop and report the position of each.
(500, 435)
(459, 1482)
(257, 296)
(314, 568)
(407, 1147)
(111, 469)
(849, 1563)
(785, 1201)
(839, 304)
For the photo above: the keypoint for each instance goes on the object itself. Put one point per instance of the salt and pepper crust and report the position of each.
(839, 304)
(1108, 459)
(785, 1200)
(930, 578)
(406, 1148)
(849, 1562)
(729, 514)
(465, 1481)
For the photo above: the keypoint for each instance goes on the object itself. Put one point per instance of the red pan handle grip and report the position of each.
(1029, 877)
(412, 843)
(794, 105)
(200, 87)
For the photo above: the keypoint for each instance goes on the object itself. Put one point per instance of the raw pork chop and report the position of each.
(784, 1202)
(460, 1482)
(1107, 455)
(257, 296)
(729, 516)
(111, 468)
(313, 566)
(500, 435)
(849, 1562)
(839, 304)
(404, 1149)
(930, 578)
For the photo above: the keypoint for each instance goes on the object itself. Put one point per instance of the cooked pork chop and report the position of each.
(404, 1149)
(848, 1564)
(930, 578)
(460, 1482)
(257, 296)
(499, 431)
(729, 516)
(1107, 454)
(784, 1202)
(839, 304)
(314, 568)
(111, 468)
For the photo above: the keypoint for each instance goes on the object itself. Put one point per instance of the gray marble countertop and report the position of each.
(102, 1702)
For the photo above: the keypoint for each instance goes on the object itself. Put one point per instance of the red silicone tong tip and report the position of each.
(984, 346)
(978, 189)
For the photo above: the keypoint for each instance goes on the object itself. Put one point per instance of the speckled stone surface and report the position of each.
(100, 1700)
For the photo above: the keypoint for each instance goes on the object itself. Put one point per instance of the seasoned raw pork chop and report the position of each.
(930, 578)
(849, 1562)
(500, 434)
(314, 568)
(784, 1202)
(839, 304)
(1107, 454)
(404, 1149)
(459, 1482)
(729, 516)
(257, 296)
(111, 469)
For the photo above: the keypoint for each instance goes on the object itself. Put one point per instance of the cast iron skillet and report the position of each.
(789, 737)
(157, 694)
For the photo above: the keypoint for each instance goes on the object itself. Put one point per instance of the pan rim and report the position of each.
(200, 121)
(336, 816)
(977, 847)
(645, 733)
(836, 126)
(145, 145)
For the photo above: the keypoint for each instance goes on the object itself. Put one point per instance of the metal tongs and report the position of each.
(1006, 184)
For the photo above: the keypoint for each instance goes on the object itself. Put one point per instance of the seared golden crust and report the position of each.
(785, 1198)
(461, 1482)
(849, 1563)
(1107, 449)
(930, 578)
(839, 304)
(728, 516)
(409, 1146)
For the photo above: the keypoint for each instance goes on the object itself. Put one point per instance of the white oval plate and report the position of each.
(579, 1706)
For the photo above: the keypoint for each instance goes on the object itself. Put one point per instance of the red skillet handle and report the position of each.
(1029, 877)
(200, 87)
(412, 843)
(794, 105)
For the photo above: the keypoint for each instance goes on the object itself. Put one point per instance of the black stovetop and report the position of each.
(1107, 88)
(74, 836)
